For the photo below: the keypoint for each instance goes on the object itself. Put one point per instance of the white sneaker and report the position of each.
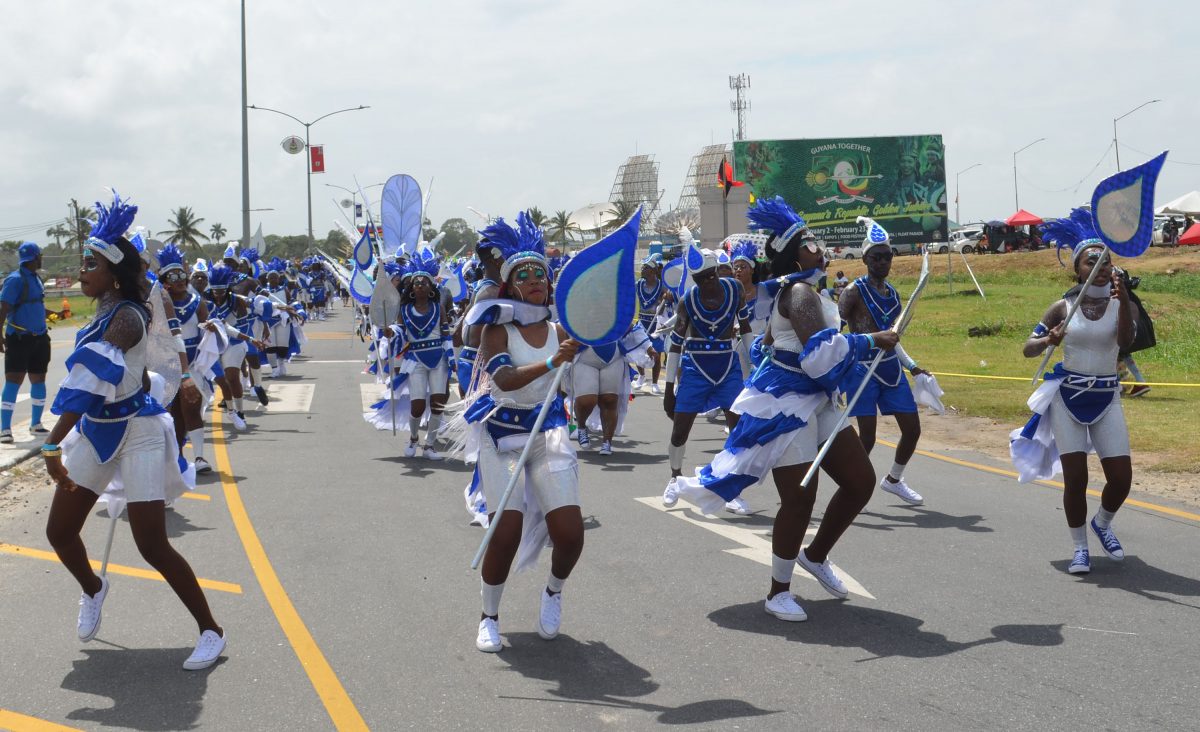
(639, 382)
(606, 448)
(550, 616)
(411, 450)
(785, 607)
(901, 489)
(671, 494)
(430, 454)
(738, 506)
(89, 612)
(824, 574)
(6, 436)
(239, 421)
(208, 650)
(488, 639)
(202, 466)
(656, 390)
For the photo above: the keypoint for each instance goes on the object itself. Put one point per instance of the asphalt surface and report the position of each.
(356, 604)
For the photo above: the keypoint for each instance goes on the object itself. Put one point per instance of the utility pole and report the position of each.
(245, 143)
(740, 105)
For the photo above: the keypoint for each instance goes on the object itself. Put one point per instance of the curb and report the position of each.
(18, 458)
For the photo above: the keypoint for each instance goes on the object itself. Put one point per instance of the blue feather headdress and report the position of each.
(424, 263)
(517, 245)
(776, 216)
(111, 224)
(219, 277)
(1076, 232)
(745, 250)
(169, 258)
(276, 265)
(250, 256)
(393, 270)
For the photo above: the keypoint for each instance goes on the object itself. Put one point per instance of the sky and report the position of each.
(508, 104)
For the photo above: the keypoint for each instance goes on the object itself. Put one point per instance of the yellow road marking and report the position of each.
(21, 723)
(25, 551)
(333, 695)
(196, 496)
(1054, 484)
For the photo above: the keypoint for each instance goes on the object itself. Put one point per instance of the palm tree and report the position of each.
(217, 232)
(78, 224)
(186, 229)
(537, 217)
(561, 227)
(57, 233)
(621, 211)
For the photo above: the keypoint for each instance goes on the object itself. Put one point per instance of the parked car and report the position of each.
(851, 252)
(965, 241)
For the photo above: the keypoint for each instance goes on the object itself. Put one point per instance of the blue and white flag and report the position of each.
(1123, 208)
(595, 290)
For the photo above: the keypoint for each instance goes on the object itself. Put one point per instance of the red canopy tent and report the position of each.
(1192, 235)
(1023, 218)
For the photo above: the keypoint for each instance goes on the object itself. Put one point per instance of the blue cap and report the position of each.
(28, 251)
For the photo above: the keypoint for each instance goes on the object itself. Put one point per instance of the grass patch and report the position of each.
(975, 336)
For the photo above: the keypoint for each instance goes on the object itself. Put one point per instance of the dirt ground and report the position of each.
(25, 487)
(953, 431)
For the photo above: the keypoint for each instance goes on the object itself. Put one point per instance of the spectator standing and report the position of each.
(26, 342)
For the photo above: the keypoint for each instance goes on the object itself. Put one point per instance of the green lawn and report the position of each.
(1019, 288)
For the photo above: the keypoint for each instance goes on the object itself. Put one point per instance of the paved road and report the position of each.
(348, 600)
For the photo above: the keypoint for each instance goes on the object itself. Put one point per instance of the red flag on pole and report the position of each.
(725, 176)
(317, 157)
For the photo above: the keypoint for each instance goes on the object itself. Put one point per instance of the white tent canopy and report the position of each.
(1188, 203)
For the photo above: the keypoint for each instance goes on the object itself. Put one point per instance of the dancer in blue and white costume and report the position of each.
(522, 348)
(1077, 409)
(756, 303)
(788, 409)
(236, 315)
(600, 386)
(424, 335)
(702, 356)
(109, 429)
(871, 303)
(650, 292)
(284, 322)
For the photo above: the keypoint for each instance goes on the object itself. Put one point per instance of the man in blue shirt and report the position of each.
(26, 342)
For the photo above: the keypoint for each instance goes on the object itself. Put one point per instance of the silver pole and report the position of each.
(308, 183)
(245, 143)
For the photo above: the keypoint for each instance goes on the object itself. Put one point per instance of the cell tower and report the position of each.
(702, 172)
(739, 84)
(637, 183)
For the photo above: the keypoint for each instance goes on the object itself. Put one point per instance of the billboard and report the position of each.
(898, 181)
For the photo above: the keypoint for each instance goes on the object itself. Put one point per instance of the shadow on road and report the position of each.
(1134, 575)
(923, 518)
(593, 673)
(148, 688)
(880, 633)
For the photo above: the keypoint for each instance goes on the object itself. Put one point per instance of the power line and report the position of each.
(1169, 160)
(1074, 188)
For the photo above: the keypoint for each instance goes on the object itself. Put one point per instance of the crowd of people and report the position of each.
(747, 333)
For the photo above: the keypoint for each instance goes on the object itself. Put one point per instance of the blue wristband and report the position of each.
(550, 363)
(871, 340)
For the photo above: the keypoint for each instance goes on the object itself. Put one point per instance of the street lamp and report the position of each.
(308, 154)
(1116, 147)
(1016, 195)
(353, 196)
(956, 216)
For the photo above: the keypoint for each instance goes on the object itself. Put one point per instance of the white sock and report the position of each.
(274, 361)
(237, 405)
(1104, 518)
(255, 376)
(414, 428)
(781, 569)
(283, 367)
(435, 422)
(197, 438)
(675, 454)
(896, 473)
(554, 584)
(1079, 536)
(491, 597)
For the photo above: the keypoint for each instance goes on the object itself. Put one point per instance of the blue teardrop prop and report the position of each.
(401, 210)
(1123, 208)
(363, 255)
(361, 286)
(694, 258)
(595, 291)
(674, 274)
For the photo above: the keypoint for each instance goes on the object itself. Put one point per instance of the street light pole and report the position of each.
(354, 196)
(308, 153)
(1016, 193)
(956, 175)
(1116, 147)
(245, 143)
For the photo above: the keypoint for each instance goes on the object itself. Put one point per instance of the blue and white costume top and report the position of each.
(423, 335)
(884, 309)
(792, 383)
(187, 312)
(710, 375)
(465, 365)
(648, 299)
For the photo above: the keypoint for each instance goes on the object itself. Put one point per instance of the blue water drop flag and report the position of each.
(595, 290)
(1123, 208)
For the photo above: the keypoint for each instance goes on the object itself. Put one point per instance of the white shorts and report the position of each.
(424, 382)
(551, 489)
(140, 459)
(281, 335)
(807, 442)
(1109, 436)
(590, 375)
(232, 357)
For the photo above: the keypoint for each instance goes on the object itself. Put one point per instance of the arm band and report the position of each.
(1039, 330)
(498, 362)
(672, 366)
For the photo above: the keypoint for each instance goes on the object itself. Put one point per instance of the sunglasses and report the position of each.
(174, 277)
(880, 256)
(531, 273)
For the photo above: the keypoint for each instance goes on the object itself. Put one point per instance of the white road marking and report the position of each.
(755, 544)
(1097, 630)
(356, 360)
(287, 398)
